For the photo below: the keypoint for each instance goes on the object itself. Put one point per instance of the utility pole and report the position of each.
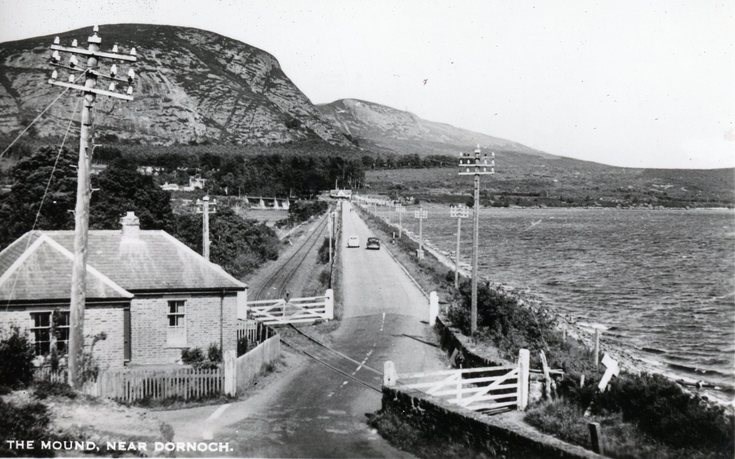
(458, 212)
(421, 214)
(84, 188)
(400, 210)
(204, 209)
(330, 229)
(473, 165)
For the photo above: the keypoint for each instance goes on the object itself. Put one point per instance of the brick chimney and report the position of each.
(130, 225)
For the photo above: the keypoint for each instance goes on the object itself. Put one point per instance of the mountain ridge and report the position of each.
(195, 86)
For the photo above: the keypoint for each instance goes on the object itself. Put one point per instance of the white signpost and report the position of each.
(611, 369)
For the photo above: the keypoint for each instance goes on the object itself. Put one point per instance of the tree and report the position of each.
(238, 245)
(123, 189)
(118, 189)
(30, 176)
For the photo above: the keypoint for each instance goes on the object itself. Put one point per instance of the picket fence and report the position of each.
(129, 385)
(160, 383)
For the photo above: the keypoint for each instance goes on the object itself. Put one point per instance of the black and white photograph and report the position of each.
(367, 229)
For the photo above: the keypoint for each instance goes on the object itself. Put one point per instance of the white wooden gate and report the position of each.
(295, 310)
(477, 389)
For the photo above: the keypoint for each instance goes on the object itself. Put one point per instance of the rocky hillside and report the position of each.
(379, 127)
(195, 87)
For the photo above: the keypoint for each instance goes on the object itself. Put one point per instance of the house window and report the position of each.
(177, 323)
(50, 328)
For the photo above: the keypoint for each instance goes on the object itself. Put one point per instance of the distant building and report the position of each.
(170, 187)
(150, 294)
(340, 194)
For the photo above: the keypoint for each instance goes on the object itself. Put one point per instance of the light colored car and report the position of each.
(353, 241)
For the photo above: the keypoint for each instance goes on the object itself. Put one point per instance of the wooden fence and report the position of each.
(295, 310)
(477, 389)
(134, 384)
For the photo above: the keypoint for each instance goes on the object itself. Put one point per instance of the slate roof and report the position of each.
(120, 265)
(35, 267)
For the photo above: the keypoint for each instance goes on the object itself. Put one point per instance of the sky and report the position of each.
(641, 83)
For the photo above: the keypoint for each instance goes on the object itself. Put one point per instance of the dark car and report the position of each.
(373, 243)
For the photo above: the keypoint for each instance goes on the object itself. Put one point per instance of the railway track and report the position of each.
(334, 360)
(275, 286)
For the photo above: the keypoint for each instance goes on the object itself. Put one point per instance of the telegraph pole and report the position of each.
(458, 212)
(204, 209)
(473, 165)
(421, 214)
(84, 189)
(400, 210)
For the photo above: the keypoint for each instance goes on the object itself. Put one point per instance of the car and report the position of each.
(373, 243)
(353, 241)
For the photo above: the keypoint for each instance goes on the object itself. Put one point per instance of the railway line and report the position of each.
(275, 286)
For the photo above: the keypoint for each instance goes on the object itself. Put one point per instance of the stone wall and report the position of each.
(441, 421)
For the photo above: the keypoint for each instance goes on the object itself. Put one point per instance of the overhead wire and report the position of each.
(43, 198)
(38, 117)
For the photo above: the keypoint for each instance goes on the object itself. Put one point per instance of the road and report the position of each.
(317, 412)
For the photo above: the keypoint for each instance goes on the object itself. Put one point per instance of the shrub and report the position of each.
(44, 389)
(325, 277)
(324, 251)
(26, 422)
(214, 353)
(659, 407)
(190, 356)
(242, 346)
(16, 357)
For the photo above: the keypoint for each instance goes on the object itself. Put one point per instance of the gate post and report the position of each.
(389, 374)
(433, 308)
(329, 305)
(230, 369)
(523, 369)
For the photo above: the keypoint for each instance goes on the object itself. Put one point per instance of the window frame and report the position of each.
(52, 342)
(176, 336)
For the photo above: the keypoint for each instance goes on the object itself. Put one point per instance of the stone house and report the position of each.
(148, 295)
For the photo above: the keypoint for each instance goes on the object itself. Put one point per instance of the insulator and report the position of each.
(113, 70)
(112, 86)
(55, 57)
(73, 61)
(133, 52)
(115, 48)
(57, 40)
(131, 75)
(74, 43)
(71, 78)
(54, 75)
(130, 90)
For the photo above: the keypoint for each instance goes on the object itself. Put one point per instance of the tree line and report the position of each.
(238, 244)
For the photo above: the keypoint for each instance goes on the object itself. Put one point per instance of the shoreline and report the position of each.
(627, 355)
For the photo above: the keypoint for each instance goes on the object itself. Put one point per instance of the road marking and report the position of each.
(218, 412)
(208, 431)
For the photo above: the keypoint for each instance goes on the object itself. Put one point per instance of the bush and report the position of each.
(242, 346)
(324, 251)
(24, 422)
(325, 278)
(44, 389)
(16, 360)
(190, 356)
(659, 407)
(214, 353)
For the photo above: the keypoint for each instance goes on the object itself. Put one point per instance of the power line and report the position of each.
(35, 119)
(43, 198)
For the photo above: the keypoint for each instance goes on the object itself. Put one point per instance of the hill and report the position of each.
(195, 87)
(382, 128)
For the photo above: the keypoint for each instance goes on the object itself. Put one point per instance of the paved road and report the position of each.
(317, 412)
